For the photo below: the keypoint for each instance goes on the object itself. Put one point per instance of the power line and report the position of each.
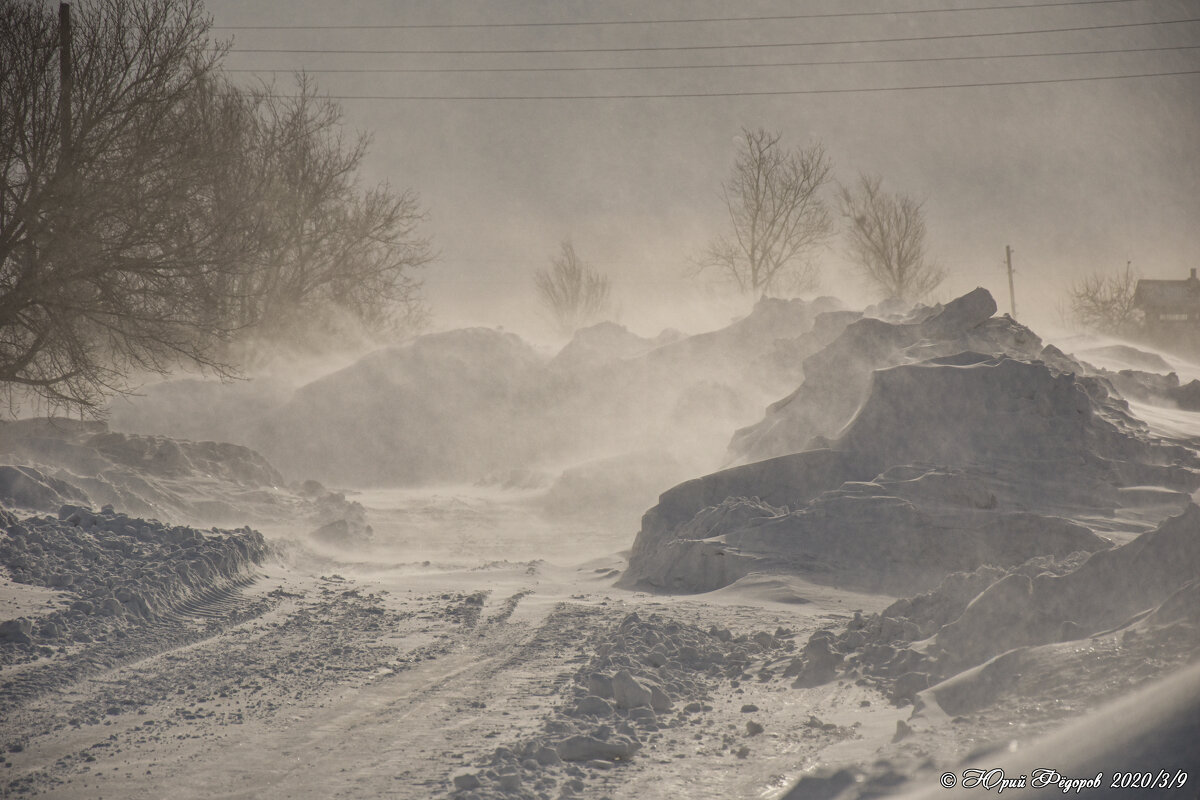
(660, 48)
(763, 93)
(579, 23)
(838, 62)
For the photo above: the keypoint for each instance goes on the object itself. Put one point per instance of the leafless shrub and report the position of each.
(572, 290)
(1104, 302)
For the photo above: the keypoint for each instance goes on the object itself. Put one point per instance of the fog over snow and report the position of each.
(700, 543)
(1076, 177)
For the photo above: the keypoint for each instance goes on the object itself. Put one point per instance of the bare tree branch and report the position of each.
(103, 247)
(333, 251)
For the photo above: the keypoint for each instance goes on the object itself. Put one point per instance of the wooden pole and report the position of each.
(1012, 296)
(66, 77)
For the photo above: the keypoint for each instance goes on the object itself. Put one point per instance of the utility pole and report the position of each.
(1012, 296)
(66, 78)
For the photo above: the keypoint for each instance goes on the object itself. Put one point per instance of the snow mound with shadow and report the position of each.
(837, 378)
(1118, 630)
(966, 639)
(961, 459)
(443, 405)
(116, 571)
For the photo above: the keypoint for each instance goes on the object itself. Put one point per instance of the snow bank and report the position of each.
(117, 570)
(1122, 356)
(86, 463)
(1151, 387)
(966, 643)
(1158, 724)
(1105, 591)
(26, 487)
(445, 404)
(969, 409)
(605, 342)
(756, 347)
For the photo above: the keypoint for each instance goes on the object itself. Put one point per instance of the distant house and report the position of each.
(1169, 306)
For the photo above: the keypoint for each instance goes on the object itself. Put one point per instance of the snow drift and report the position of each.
(467, 404)
(989, 450)
(1016, 634)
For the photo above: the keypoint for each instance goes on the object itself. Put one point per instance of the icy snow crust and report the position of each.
(915, 448)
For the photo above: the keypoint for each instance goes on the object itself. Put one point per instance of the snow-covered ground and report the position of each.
(872, 609)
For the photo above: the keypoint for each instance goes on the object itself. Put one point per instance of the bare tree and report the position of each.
(885, 235)
(108, 248)
(1104, 302)
(572, 290)
(776, 217)
(177, 211)
(334, 252)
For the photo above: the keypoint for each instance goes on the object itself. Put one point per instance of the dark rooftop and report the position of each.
(1168, 296)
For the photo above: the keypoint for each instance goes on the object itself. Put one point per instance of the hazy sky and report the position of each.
(1077, 176)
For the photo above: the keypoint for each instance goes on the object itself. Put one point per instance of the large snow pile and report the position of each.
(969, 409)
(1122, 357)
(442, 405)
(606, 342)
(1138, 375)
(197, 409)
(467, 404)
(55, 462)
(837, 377)
(26, 487)
(1159, 571)
(1155, 388)
(947, 463)
(760, 348)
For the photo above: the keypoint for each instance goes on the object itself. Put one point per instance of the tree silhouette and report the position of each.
(175, 211)
(572, 291)
(776, 217)
(1104, 303)
(885, 233)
